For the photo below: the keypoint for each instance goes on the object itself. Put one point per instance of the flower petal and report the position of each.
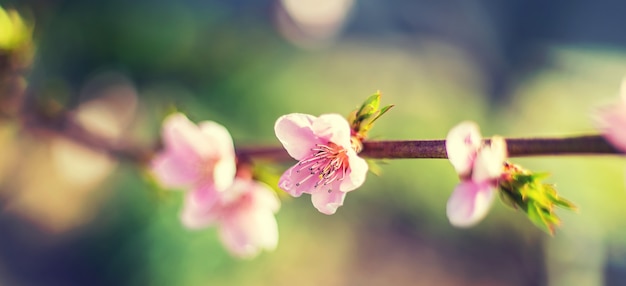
(294, 132)
(201, 207)
(296, 182)
(611, 121)
(183, 137)
(245, 232)
(469, 203)
(357, 173)
(173, 170)
(258, 194)
(333, 128)
(328, 202)
(219, 138)
(221, 144)
(462, 144)
(176, 166)
(264, 197)
(489, 163)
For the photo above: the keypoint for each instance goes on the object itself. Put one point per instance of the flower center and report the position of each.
(328, 163)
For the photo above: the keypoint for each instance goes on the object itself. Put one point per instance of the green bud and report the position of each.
(362, 119)
(524, 190)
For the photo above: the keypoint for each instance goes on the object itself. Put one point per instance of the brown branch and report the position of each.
(61, 122)
(436, 149)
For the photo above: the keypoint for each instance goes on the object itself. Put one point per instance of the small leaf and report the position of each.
(374, 167)
(385, 109)
(561, 202)
(539, 218)
(362, 119)
(537, 199)
(539, 176)
(379, 114)
(373, 101)
(368, 107)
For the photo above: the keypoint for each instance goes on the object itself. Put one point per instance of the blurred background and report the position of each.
(72, 215)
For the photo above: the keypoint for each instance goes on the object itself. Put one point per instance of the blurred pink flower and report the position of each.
(201, 160)
(195, 157)
(611, 120)
(329, 167)
(479, 167)
(244, 214)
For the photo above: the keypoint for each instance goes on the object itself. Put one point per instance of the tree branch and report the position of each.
(436, 149)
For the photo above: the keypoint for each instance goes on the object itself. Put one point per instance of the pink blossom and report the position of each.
(200, 159)
(194, 156)
(328, 166)
(611, 120)
(479, 167)
(243, 213)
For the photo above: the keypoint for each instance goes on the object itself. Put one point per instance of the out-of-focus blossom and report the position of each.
(200, 159)
(312, 23)
(55, 185)
(611, 120)
(479, 167)
(111, 106)
(195, 157)
(107, 116)
(328, 165)
(243, 212)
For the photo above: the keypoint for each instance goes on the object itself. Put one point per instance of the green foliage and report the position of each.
(16, 41)
(526, 191)
(15, 32)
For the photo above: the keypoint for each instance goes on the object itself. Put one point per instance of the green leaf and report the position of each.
(537, 177)
(536, 199)
(371, 103)
(368, 108)
(384, 110)
(362, 119)
(561, 202)
(540, 218)
(374, 167)
(379, 114)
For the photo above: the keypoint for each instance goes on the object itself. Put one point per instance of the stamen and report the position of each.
(328, 163)
(303, 180)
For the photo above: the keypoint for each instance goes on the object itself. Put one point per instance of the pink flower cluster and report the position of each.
(479, 166)
(328, 166)
(200, 160)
